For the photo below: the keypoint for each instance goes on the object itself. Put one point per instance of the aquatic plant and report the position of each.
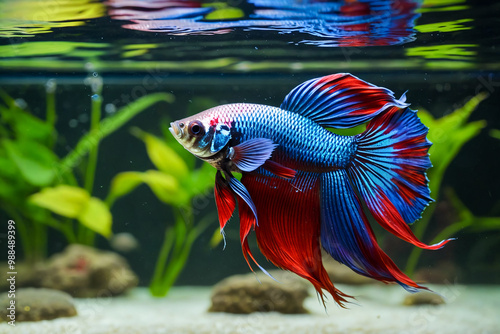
(449, 133)
(175, 182)
(38, 189)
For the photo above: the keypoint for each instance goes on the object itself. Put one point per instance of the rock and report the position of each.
(32, 304)
(124, 242)
(244, 294)
(423, 298)
(87, 272)
(341, 274)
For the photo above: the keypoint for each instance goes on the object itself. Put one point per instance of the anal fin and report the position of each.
(289, 226)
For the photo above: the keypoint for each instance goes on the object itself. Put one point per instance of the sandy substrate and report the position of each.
(469, 309)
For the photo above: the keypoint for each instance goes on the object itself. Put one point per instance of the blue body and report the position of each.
(302, 144)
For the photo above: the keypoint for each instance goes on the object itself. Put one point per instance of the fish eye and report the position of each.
(196, 128)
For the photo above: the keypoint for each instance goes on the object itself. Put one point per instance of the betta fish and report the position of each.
(304, 187)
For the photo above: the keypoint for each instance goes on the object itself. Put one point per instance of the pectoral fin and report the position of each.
(255, 153)
(251, 154)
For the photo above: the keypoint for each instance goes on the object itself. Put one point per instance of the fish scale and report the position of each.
(292, 133)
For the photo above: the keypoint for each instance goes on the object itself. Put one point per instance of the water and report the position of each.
(91, 55)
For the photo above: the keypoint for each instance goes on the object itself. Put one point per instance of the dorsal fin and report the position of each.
(340, 100)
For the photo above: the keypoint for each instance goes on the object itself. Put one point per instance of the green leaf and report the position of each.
(426, 117)
(24, 124)
(448, 134)
(7, 99)
(216, 238)
(460, 116)
(449, 143)
(165, 158)
(123, 184)
(96, 216)
(481, 224)
(64, 200)
(7, 191)
(495, 133)
(36, 162)
(200, 179)
(9, 169)
(166, 188)
(29, 127)
(12, 187)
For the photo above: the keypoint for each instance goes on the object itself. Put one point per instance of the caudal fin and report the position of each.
(389, 171)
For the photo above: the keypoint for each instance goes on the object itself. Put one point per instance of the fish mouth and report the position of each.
(175, 130)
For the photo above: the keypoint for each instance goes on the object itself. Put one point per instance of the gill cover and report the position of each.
(212, 141)
(221, 137)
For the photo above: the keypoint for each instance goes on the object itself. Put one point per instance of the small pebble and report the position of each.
(423, 298)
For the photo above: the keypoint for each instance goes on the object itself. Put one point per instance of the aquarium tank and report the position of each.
(108, 225)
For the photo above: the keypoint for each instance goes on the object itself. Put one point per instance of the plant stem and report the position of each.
(177, 264)
(85, 235)
(178, 241)
(50, 88)
(95, 118)
(39, 241)
(419, 231)
(66, 228)
(412, 262)
(156, 282)
(466, 219)
(452, 230)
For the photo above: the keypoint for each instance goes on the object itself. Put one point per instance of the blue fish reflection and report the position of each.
(322, 23)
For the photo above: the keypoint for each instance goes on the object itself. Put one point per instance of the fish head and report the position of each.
(202, 134)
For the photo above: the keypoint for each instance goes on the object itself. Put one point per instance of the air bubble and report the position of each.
(73, 123)
(96, 85)
(89, 67)
(110, 108)
(20, 103)
(83, 118)
(50, 86)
